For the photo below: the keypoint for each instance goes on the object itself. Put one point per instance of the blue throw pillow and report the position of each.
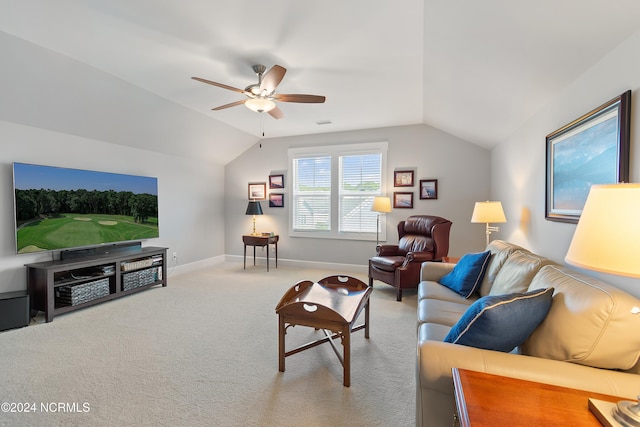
(501, 322)
(467, 275)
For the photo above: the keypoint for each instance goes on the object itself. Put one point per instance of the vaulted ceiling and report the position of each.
(475, 69)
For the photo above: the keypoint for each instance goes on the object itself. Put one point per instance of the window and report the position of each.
(333, 189)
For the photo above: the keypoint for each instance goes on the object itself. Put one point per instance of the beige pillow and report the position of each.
(500, 250)
(517, 272)
(590, 322)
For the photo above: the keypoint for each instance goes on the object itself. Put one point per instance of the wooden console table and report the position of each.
(493, 400)
(333, 304)
(258, 240)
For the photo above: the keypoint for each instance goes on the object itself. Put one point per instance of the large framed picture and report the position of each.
(593, 149)
(257, 191)
(403, 179)
(429, 189)
(403, 200)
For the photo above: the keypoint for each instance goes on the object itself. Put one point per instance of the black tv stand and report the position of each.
(65, 285)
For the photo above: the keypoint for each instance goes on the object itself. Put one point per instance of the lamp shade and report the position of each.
(254, 208)
(381, 204)
(488, 212)
(607, 237)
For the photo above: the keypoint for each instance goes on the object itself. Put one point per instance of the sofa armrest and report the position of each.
(433, 271)
(434, 371)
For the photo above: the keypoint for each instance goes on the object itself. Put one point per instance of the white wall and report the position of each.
(461, 168)
(518, 164)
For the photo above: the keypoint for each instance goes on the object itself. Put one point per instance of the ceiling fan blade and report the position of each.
(272, 79)
(299, 98)
(276, 113)
(233, 104)
(223, 86)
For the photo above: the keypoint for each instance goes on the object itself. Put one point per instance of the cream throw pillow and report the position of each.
(590, 322)
(500, 250)
(517, 272)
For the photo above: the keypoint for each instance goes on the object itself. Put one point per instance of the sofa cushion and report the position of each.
(466, 276)
(441, 312)
(590, 322)
(434, 290)
(517, 273)
(500, 251)
(501, 322)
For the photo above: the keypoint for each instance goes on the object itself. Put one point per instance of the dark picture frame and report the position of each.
(276, 181)
(403, 200)
(276, 200)
(403, 178)
(257, 191)
(593, 149)
(428, 189)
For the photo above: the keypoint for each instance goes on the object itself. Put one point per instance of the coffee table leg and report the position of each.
(347, 356)
(281, 333)
(366, 319)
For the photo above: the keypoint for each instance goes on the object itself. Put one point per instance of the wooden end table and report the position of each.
(259, 240)
(493, 400)
(333, 304)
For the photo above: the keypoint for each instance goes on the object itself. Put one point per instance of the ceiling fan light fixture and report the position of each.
(260, 105)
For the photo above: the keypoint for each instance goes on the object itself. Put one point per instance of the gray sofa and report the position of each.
(588, 340)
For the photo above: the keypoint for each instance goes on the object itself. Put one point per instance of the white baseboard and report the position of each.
(294, 263)
(288, 263)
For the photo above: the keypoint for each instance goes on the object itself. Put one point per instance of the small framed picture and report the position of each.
(403, 178)
(429, 189)
(403, 200)
(276, 200)
(276, 181)
(257, 191)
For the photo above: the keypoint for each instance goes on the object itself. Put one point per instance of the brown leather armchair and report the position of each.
(421, 238)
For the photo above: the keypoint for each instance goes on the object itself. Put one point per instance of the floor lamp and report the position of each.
(380, 205)
(606, 240)
(488, 212)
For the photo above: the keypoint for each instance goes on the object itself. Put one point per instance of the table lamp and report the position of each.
(607, 240)
(381, 204)
(488, 212)
(254, 209)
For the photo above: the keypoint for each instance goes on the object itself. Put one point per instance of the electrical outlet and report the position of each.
(175, 256)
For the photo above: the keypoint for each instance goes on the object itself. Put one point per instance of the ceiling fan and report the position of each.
(261, 97)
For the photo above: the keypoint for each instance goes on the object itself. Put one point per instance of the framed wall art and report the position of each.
(276, 181)
(403, 200)
(593, 149)
(257, 191)
(403, 178)
(276, 200)
(429, 189)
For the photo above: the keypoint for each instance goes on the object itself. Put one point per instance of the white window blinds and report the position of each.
(360, 182)
(312, 193)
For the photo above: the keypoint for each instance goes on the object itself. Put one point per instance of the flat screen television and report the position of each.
(60, 208)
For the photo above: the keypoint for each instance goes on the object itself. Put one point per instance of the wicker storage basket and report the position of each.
(139, 278)
(81, 293)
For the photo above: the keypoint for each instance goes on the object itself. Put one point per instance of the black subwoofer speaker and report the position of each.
(14, 310)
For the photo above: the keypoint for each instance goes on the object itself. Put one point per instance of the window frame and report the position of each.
(335, 152)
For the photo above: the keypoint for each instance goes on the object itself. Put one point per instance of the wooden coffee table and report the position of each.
(492, 400)
(333, 304)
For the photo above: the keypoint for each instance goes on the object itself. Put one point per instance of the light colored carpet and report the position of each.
(203, 352)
